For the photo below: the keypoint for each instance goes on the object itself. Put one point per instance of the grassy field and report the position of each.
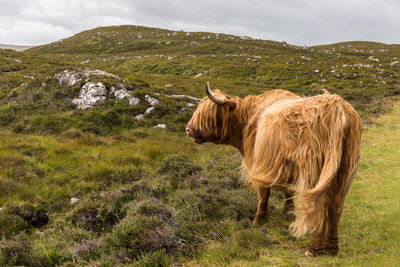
(100, 188)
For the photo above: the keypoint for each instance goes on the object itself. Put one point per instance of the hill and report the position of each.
(15, 47)
(87, 178)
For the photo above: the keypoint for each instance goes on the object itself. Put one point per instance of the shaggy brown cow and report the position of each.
(307, 147)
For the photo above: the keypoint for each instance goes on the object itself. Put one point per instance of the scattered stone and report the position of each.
(85, 61)
(316, 71)
(195, 99)
(74, 200)
(168, 43)
(161, 126)
(91, 94)
(29, 77)
(133, 101)
(89, 72)
(1, 209)
(151, 100)
(170, 58)
(246, 38)
(168, 85)
(194, 43)
(121, 94)
(187, 106)
(17, 60)
(199, 75)
(394, 63)
(371, 58)
(149, 110)
(305, 58)
(139, 117)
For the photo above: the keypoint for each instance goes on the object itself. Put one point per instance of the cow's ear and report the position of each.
(232, 104)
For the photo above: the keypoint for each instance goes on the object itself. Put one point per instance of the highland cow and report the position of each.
(307, 147)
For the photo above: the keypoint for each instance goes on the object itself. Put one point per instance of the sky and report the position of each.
(299, 22)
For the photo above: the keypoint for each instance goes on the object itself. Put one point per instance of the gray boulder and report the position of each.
(67, 78)
(91, 94)
(151, 100)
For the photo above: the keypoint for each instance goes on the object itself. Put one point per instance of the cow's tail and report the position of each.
(310, 212)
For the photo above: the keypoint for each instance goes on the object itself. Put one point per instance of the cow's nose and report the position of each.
(187, 130)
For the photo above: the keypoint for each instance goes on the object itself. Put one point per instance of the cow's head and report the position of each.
(211, 120)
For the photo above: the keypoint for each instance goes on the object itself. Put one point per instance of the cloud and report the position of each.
(303, 22)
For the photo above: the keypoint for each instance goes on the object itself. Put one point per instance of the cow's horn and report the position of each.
(216, 99)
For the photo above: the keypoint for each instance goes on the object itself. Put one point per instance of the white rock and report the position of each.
(91, 94)
(199, 75)
(168, 85)
(168, 43)
(133, 101)
(305, 58)
(74, 200)
(139, 117)
(316, 71)
(161, 126)
(371, 58)
(121, 94)
(89, 72)
(17, 60)
(1, 209)
(151, 100)
(149, 110)
(67, 78)
(187, 106)
(85, 61)
(195, 99)
(394, 63)
(170, 58)
(245, 38)
(29, 77)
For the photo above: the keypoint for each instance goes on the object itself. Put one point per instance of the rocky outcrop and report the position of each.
(91, 94)
(69, 78)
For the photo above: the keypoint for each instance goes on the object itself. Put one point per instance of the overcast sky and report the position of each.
(300, 22)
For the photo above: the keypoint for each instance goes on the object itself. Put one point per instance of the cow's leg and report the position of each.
(288, 206)
(262, 209)
(317, 245)
(332, 236)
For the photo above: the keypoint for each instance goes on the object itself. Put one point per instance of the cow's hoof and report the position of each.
(309, 253)
(260, 219)
(313, 251)
(333, 250)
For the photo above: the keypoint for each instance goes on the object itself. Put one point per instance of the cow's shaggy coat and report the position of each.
(307, 147)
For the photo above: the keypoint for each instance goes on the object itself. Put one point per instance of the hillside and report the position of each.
(87, 178)
(15, 47)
